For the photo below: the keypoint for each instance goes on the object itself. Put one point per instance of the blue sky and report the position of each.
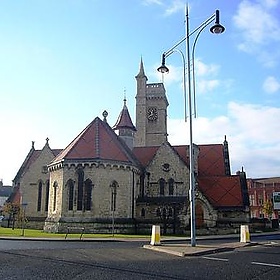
(62, 62)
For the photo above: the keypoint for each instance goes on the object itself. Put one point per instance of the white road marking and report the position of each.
(215, 259)
(266, 264)
(271, 243)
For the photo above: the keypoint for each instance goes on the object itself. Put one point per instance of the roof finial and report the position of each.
(32, 144)
(225, 141)
(124, 99)
(105, 115)
(47, 141)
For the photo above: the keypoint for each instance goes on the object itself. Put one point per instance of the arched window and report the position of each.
(161, 186)
(87, 197)
(170, 212)
(143, 212)
(114, 186)
(158, 212)
(80, 189)
(55, 186)
(39, 198)
(70, 186)
(171, 186)
(47, 195)
(164, 213)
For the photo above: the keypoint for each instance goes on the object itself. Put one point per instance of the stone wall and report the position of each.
(29, 184)
(102, 176)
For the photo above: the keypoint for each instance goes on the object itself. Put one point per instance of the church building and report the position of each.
(126, 178)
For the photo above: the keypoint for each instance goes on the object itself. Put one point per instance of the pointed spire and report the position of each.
(141, 67)
(141, 73)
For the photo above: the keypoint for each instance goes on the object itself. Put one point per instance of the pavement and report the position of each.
(184, 249)
(206, 245)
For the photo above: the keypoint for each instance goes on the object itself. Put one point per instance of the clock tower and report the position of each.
(151, 112)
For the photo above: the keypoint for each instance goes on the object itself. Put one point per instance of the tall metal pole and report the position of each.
(216, 29)
(191, 154)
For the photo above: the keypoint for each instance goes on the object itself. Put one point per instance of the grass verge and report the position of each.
(17, 232)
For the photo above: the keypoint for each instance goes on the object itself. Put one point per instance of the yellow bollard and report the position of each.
(244, 234)
(155, 239)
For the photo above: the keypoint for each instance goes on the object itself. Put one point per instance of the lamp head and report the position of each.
(163, 68)
(217, 28)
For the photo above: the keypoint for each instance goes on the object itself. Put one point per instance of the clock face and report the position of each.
(152, 113)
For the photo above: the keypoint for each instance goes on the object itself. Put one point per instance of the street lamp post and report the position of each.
(23, 218)
(217, 28)
(113, 205)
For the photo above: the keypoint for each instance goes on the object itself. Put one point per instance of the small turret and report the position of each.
(125, 127)
(244, 187)
(226, 158)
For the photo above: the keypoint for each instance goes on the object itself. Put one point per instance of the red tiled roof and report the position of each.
(211, 160)
(96, 141)
(222, 191)
(145, 154)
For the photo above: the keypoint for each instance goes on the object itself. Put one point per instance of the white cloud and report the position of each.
(252, 133)
(152, 2)
(205, 74)
(271, 85)
(176, 6)
(175, 75)
(205, 86)
(269, 3)
(259, 26)
(170, 8)
(202, 69)
(257, 23)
